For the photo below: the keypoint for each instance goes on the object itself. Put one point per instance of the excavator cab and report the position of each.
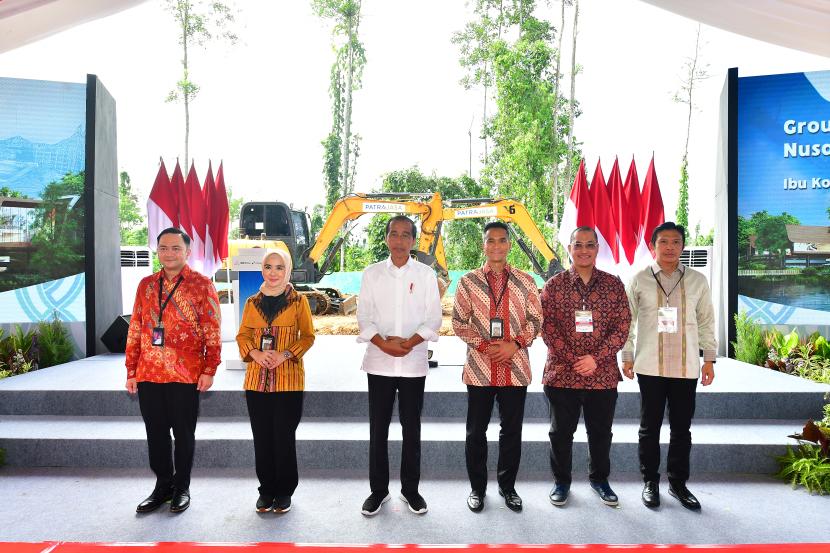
(277, 221)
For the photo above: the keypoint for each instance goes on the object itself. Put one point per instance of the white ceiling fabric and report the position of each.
(25, 21)
(798, 24)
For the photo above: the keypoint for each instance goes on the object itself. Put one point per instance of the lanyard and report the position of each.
(170, 295)
(580, 285)
(503, 290)
(682, 274)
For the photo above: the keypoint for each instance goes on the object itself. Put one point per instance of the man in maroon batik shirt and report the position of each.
(586, 320)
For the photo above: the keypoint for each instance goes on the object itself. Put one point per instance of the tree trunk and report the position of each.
(569, 166)
(186, 91)
(554, 177)
(682, 213)
(347, 125)
(484, 115)
(347, 117)
(692, 70)
(486, 86)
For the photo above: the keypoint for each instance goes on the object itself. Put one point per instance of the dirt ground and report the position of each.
(339, 324)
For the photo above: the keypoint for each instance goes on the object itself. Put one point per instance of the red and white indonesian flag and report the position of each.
(651, 214)
(162, 211)
(202, 213)
(197, 221)
(222, 221)
(607, 255)
(212, 261)
(633, 203)
(627, 219)
(183, 203)
(579, 210)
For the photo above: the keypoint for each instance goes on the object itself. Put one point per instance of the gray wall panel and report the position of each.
(103, 242)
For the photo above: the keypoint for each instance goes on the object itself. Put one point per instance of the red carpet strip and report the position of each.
(170, 547)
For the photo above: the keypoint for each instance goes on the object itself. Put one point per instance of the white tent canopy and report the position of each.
(799, 24)
(25, 21)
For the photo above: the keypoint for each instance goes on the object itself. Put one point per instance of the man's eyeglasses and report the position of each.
(590, 246)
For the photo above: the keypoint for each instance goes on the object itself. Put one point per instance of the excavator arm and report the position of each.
(509, 211)
(349, 208)
(429, 207)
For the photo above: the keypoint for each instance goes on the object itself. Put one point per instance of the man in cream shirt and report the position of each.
(672, 319)
(398, 311)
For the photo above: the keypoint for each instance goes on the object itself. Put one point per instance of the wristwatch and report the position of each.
(286, 354)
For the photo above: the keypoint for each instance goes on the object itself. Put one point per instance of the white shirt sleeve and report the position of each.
(366, 310)
(433, 315)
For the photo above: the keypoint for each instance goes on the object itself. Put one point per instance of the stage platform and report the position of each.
(78, 415)
(77, 463)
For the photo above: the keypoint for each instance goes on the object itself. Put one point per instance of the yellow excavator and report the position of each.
(275, 224)
(431, 245)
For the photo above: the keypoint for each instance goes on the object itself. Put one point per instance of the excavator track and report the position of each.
(318, 301)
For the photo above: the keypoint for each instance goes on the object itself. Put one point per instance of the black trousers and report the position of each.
(656, 393)
(511, 401)
(274, 420)
(597, 406)
(410, 392)
(164, 407)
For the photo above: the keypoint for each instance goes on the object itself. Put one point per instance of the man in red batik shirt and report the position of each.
(173, 349)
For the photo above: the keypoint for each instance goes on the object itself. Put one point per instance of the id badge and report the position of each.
(496, 328)
(158, 336)
(584, 321)
(667, 320)
(266, 342)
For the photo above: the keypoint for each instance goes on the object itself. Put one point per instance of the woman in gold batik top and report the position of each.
(276, 331)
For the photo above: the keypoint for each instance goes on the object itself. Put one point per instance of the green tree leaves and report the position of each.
(132, 222)
(507, 46)
(770, 232)
(58, 238)
(198, 22)
(462, 238)
(682, 213)
(341, 146)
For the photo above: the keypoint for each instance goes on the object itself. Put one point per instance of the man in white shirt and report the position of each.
(398, 311)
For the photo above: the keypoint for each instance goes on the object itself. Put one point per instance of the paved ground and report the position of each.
(98, 505)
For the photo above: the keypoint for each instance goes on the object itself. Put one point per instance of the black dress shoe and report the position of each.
(605, 493)
(511, 499)
(475, 501)
(684, 496)
(651, 494)
(180, 501)
(559, 494)
(154, 501)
